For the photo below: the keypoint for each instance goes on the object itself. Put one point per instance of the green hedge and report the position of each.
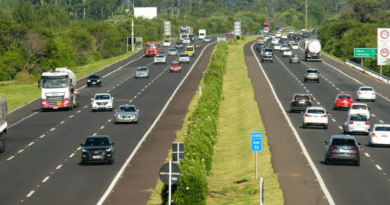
(200, 138)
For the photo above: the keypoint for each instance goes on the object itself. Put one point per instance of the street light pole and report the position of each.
(306, 16)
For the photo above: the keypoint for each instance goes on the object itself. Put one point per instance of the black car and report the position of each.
(300, 101)
(296, 37)
(97, 148)
(191, 37)
(94, 79)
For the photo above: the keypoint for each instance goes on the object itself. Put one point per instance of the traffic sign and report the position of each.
(167, 28)
(165, 172)
(364, 52)
(256, 141)
(262, 31)
(383, 43)
(237, 28)
(177, 151)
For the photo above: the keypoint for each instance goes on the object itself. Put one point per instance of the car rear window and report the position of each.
(141, 69)
(366, 89)
(343, 142)
(311, 71)
(358, 118)
(345, 97)
(175, 63)
(359, 107)
(102, 97)
(268, 50)
(316, 111)
(126, 109)
(387, 129)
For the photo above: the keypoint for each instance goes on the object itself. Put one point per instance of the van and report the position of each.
(190, 50)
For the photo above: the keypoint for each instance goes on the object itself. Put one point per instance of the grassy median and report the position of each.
(18, 94)
(232, 178)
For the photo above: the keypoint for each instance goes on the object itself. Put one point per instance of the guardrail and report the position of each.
(369, 72)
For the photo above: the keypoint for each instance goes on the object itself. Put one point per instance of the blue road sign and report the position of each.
(262, 31)
(256, 141)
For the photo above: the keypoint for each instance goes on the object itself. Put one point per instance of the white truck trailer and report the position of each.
(202, 34)
(3, 124)
(313, 50)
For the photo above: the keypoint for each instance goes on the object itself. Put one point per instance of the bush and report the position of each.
(24, 78)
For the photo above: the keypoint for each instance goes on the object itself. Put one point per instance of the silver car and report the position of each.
(179, 45)
(356, 123)
(160, 58)
(342, 148)
(126, 113)
(311, 74)
(142, 72)
(295, 59)
(172, 52)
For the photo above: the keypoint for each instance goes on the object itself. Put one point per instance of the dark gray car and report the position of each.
(98, 148)
(295, 59)
(126, 113)
(300, 101)
(342, 148)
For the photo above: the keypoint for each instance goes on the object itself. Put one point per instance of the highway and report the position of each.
(41, 164)
(347, 184)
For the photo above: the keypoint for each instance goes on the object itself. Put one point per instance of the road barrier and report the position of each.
(369, 72)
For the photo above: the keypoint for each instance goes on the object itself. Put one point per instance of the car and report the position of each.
(94, 79)
(191, 37)
(274, 41)
(296, 37)
(342, 148)
(287, 52)
(305, 34)
(172, 52)
(343, 101)
(126, 113)
(356, 124)
(359, 108)
(187, 40)
(379, 135)
(190, 50)
(160, 58)
(179, 45)
(142, 72)
(284, 36)
(295, 59)
(290, 43)
(300, 101)
(365, 93)
(311, 75)
(260, 45)
(197, 44)
(98, 148)
(295, 46)
(277, 46)
(184, 58)
(263, 50)
(283, 47)
(228, 33)
(315, 116)
(267, 55)
(175, 67)
(278, 35)
(291, 34)
(167, 43)
(102, 101)
(207, 39)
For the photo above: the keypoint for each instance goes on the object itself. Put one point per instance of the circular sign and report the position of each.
(384, 34)
(384, 52)
(164, 173)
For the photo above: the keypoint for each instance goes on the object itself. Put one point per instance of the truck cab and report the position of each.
(151, 49)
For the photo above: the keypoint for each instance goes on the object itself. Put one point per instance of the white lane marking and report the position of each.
(78, 148)
(108, 91)
(31, 193)
(71, 116)
(30, 144)
(340, 127)
(101, 127)
(22, 120)
(20, 151)
(52, 129)
(377, 166)
(10, 158)
(115, 180)
(42, 136)
(109, 120)
(59, 166)
(86, 106)
(373, 115)
(381, 121)
(45, 179)
(333, 120)
(79, 111)
(71, 155)
(305, 152)
(62, 122)
(94, 134)
(367, 154)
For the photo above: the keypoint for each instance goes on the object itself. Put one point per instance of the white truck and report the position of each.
(313, 50)
(3, 124)
(202, 34)
(58, 89)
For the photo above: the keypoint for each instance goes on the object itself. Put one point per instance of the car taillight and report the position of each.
(373, 135)
(367, 123)
(373, 93)
(324, 115)
(294, 99)
(332, 147)
(355, 148)
(354, 155)
(309, 99)
(360, 93)
(350, 122)
(306, 115)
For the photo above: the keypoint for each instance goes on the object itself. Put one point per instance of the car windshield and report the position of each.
(175, 63)
(102, 97)
(207, 37)
(189, 48)
(97, 141)
(316, 111)
(359, 107)
(150, 46)
(343, 142)
(384, 129)
(54, 82)
(345, 97)
(93, 77)
(126, 109)
(358, 118)
(366, 89)
(142, 69)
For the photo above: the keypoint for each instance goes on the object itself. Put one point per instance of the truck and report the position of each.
(58, 89)
(202, 34)
(266, 27)
(313, 50)
(184, 32)
(151, 49)
(3, 124)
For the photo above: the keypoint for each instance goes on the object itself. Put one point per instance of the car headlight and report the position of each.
(133, 116)
(119, 116)
(98, 80)
(89, 80)
(84, 150)
(108, 150)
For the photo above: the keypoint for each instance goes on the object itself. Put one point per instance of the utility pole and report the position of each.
(306, 16)
(132, 34)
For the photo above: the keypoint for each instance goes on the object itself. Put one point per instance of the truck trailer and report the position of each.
(313, 50)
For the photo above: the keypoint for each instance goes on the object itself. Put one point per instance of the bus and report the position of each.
(151, 49)
(266, 27)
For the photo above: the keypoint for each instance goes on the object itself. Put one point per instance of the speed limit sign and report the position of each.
(383, 42)
(384, 34)
(384, 52)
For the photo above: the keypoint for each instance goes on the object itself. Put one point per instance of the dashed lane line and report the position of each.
(10, 158)
(59, 166)
(378, 167)
(367, 154)
(45, 179)
(30, 194)
(30, 144)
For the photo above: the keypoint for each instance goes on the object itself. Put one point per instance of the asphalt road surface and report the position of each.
(41, 164)
(347, 184)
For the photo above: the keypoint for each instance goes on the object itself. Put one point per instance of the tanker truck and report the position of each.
(3, 124)
(58, 89)
(312, 50)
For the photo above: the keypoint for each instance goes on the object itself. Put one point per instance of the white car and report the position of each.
(167, 43)
(278, 35)
(207, 39)
(160, 58)
(102, 101)
(315, 116)
(290, 43)
(379, 135)
(356, 123)
(283, 47)
(284, 36)
(187, 40)
(365, 93)
(359, 108)
(184, 58)
(294, 46)
(287, 52)
(277, 47)
(275, 41)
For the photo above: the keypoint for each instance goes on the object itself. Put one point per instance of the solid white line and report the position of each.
(10, 158)
(367, 154)
(31, 193)
(71, 155)
(44, 180)
(59, 166)
(52, 129)
(62, 122)
(22, 120)
(377, 166)
(30, 144)
(42, 136)
(115, 180)
(20, 151)
(305, 152)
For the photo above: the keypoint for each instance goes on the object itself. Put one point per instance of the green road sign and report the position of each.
(364, 52)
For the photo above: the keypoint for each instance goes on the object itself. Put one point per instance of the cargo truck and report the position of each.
(3, 124)
(202, 34)
(313, 50)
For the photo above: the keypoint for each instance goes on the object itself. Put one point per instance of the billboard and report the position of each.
(237, 28)
(145, 12)
(167, 28)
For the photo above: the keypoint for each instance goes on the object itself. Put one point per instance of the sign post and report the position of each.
(383, 43)
(256, 144)
(261, 191)
(364, 53)
(169, 174)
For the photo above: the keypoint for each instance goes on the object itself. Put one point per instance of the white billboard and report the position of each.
(146, 12)
(237, 28)
(167, 28)
(383, 43)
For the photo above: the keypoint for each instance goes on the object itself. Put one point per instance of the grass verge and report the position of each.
(232, 178)
(18, 94)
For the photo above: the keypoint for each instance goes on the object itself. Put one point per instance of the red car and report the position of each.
(343, 101)
(175, 67)
(229, 33)
(260, 39)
